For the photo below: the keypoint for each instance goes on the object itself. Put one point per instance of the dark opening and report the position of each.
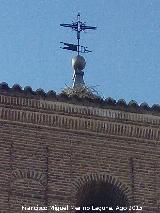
(101, 194)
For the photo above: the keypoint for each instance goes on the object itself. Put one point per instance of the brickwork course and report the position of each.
(56, 150)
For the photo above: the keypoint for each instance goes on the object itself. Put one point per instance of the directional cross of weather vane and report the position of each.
(78, 26)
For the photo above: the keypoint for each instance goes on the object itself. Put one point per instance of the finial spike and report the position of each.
(78, 16)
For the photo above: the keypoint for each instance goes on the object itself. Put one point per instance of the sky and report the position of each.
(125, 58)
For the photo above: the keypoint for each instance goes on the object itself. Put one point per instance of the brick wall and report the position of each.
(50, 150)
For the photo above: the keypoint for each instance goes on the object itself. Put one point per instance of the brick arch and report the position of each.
(29, 174)
(25, 190)
(86, 180)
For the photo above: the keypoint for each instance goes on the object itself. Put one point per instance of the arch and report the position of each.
(30, 174)
(27, 187)
(101, 190)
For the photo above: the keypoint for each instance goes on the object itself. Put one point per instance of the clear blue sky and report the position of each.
(125, 62)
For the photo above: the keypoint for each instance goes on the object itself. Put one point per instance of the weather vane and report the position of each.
(77, 26)
(78, 62)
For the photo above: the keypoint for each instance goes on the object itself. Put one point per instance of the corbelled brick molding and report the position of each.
(76, 117)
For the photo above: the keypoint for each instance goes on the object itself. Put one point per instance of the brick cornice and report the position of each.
(75, 110)
(75, 117)
(78, 123)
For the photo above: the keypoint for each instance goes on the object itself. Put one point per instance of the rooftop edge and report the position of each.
(132, 106)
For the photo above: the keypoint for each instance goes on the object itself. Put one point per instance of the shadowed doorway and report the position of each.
(101, 194)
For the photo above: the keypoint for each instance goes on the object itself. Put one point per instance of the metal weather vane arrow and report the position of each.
(77, 26)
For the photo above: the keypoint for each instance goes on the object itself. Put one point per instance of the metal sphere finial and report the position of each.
(78, 63)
